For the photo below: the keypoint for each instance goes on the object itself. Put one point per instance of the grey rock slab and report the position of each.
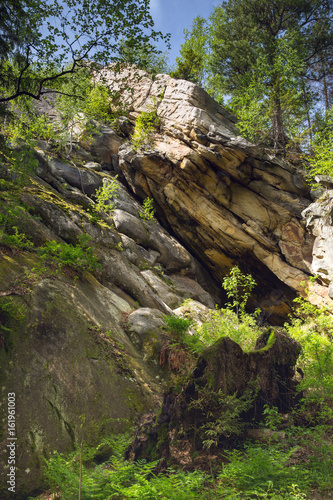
(130, 226)
(173, 255)
(144, 328)
(163, 288)
(103, 143)
(144, 321)
(191, 289)
(93, 165)
(86, 181)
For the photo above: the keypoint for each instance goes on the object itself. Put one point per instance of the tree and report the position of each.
(42, 41)
(191, 63)
(261, 59)
(146, 57)
(268, 47)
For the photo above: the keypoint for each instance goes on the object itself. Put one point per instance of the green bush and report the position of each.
(105, 195)
(238, 287)
(79, 257)
(313, 328)
(225, 323)
(10, 235)
(146, 123)
(118, 478)
(148, 210)
(321, 159)
(261, 472)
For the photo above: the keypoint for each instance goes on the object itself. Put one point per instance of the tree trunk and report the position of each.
(325, 88)
(279, 137)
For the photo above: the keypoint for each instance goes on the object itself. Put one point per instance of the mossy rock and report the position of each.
(65, 356)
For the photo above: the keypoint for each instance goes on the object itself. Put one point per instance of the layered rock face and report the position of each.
(77, 344)
(224, 198)
(90, 344)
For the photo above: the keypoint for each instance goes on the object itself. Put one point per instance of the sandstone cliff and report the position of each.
(224, 198)
(77, 343)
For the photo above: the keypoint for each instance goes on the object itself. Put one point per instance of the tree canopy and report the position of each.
(41, 41)
(262, 56)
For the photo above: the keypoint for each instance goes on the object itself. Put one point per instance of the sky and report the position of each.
(173, 16)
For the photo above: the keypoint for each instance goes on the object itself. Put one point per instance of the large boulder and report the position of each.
(64, 354)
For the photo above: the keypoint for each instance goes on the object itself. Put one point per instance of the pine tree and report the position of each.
(267, 49)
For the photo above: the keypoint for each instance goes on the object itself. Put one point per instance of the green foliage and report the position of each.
(106, 194)
(10, 235)
(47, 40)
(118, 478)
(259, 58)
(192, 61)
(19, 160)
(29, 127)
(272, 417)
(261, 472)
(321, 160)
(146, 123)
(223, 414)
(79, 257)
(145, 57)
(226, 323)
(213, 325)
(79, 102)
(148, 210)
(313, 328)
(238, 287)
(178, 326)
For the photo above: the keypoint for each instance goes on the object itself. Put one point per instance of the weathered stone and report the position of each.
(173, 255)
(330, 290)
(119, 271)
(93, 165)
(224, 198)
(143, 326)
(319, 220)
(125, 126)
(325, 180)
(190, 289)
(86, 181)
(297, 246)
(193, 309)
(131, 226)
(65, 356)
(102, 144)
(164, 288)
(53, 217)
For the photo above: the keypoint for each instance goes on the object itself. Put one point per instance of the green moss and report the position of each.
(269, 344)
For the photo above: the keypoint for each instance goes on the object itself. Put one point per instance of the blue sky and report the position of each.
(173, 16)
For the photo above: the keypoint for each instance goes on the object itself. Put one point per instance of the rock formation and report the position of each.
(76, 343)
(224, 198)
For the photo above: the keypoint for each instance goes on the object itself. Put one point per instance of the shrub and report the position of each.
(10, 235)
(79, 257)
(261, 472)
(148, 210)
(238, 287)
(313, 328)
(105, 195)
(146, 123)
(119, 479)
